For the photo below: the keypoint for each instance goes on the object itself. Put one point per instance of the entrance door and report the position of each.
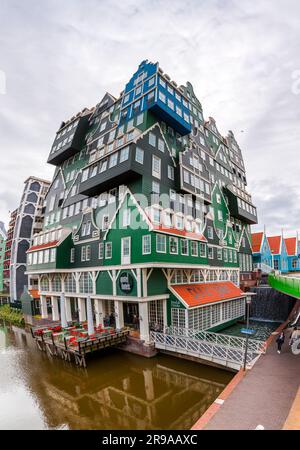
(126, 250)
(131, 315)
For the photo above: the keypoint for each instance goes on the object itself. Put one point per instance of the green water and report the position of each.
(262, 329)
(118, 390)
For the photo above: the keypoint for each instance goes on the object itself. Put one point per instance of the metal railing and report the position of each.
(263, 267)
(226, 340)
(216, 352)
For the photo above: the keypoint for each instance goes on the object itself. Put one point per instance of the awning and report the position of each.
(200, 294)
(34, 293)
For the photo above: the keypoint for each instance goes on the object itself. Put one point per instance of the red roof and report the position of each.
(274, 243)
(181, 233)
(203, 293)
(42, 246)
(291, 245)
(256, 241)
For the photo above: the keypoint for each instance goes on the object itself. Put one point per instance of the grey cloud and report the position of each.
(59, 57)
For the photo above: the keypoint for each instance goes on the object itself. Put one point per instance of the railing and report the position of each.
(226, 340)
(286, 284)
(263, 267)
(222, 354)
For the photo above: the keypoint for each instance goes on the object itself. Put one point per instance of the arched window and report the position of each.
(44, 283)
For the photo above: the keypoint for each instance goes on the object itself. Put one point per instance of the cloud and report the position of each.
(58, 57)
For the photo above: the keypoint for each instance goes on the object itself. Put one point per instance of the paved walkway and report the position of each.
(264, 396)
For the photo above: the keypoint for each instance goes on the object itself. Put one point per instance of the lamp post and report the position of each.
(248, 303)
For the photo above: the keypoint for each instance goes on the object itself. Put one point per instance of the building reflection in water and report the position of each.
(118, 390)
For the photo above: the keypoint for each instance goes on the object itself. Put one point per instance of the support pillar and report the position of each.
(165, 314)
(82, 309)
(55, 310)
(44, 309)
(119, 314)
(144, 322)
(68, 309)
(99, 312)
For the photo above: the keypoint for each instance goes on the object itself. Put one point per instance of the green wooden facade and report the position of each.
(135, 193)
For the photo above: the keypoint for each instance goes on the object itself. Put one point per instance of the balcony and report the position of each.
(109, 172)
(239, 208)
(70, 142)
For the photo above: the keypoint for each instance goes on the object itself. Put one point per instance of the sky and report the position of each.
(242, 58)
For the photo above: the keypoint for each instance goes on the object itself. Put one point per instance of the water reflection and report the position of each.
(117, 391)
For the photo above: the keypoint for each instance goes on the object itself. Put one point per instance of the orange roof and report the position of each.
(34, 293)
(181, 233)
(203, 293)
(274, 243)
(42, 246)
(256, 241)
(291, 245)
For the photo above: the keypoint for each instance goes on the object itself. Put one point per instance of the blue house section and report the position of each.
(264, 256)
(293, 251)
(149, 89)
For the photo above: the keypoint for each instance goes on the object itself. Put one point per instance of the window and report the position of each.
(173, 245)
(83, 253)
(105, 222)
(160, 243)
(53, 255)
(52, 202)
(156, 166)
(171, 172)
(108, 250)
(72, 255)
(184, 247)
(210, 253)
(156, 215)
(162, 82)
(139, 119)
(139, 155)
(194, 248)
(124, 154)
(202, 250)
(170, 104)
(147, 244)
(126, 217)
(219, 253)
(210, 233)
(100, 250)
(155, 187)
(151, 81)
(179, 222)
(220, 216)
(178, 317)
(103, 166)
(152, 139)
(40, 261)
(218, 197)
(113, 160)
(162, 97)
(88, 253)
(161, 145)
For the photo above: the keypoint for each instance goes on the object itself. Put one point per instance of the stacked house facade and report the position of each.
(276, 252)
(147, 213)
(8, 244)
(2, 254)
(27, 221)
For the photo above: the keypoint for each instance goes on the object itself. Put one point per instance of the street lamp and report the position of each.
(248, 303)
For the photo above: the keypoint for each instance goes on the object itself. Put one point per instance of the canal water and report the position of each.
(118, 390)
(262, 329)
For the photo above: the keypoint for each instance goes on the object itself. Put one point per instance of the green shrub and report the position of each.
(12, 315)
